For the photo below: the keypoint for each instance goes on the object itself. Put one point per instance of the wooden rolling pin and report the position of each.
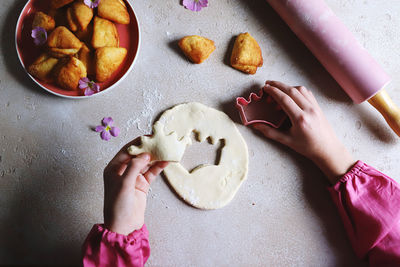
(361, 77)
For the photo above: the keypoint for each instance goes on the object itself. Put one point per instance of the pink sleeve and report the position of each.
(369, 205)
(105, 248)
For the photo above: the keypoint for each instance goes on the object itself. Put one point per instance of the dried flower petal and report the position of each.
(114, 131)
(195, 5)
(91, 3)
(95, 87)
(107, 121)
(99, 128)
(39, 35)
(84, 83)
(105, 135)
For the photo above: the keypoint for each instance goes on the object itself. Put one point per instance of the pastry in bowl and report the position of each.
(43, 20)
(42, 67)
(114, 10)
(104, 33)
(61, 37)
(68, 72)
(107, 60)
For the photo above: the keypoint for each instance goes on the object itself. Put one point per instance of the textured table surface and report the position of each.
(51, 163)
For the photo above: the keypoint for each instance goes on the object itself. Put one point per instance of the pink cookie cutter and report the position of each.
(260, 108)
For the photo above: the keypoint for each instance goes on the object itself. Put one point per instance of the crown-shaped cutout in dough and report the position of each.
(162, 147)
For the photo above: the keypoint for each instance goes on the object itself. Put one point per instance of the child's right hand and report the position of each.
(311, 134)
(127, 181)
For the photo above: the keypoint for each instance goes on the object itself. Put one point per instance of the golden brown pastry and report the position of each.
(42, 67)
(87, 58)
(114, 10)
(62, 52)
(73, 25)
(59, 3)
(246, 54)
(61, 37)
(104, 33)
(196, 48)
(42, 20)
(82, 14)
(107, 60)
(68, 72)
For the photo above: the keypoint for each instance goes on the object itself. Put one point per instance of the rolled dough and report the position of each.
(207, 186)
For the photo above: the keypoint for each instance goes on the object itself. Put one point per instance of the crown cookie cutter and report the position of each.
(260, 108)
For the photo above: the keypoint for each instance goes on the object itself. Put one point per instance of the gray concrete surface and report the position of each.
(51, 163)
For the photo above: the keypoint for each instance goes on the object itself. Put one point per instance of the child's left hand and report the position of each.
(127, 181)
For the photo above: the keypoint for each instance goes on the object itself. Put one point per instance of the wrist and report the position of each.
(335, 164)
(121, 228)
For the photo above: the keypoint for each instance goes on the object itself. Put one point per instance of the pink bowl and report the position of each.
(27, 51)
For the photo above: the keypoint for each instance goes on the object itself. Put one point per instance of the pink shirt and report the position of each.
(368, 202)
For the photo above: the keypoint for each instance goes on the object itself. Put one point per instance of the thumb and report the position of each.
(272, 133)
(135, 167)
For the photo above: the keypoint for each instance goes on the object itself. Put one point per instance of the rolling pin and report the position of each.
(361, 77)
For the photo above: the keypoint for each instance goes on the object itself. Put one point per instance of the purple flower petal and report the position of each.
(107, 121)
(195, 5)
(99, 128)
(189, 4)
(115, 131)
(203, 3)
(91, 3)
(88, 92)
(39, 35)
(83, 82)
(96, 87)
(105, 135)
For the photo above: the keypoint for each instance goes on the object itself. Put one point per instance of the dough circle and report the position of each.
(207, 186)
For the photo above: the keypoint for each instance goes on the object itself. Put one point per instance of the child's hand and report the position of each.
(311, 134)
(127, 180)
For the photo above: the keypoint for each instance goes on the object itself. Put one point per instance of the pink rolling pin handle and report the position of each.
(384, 104)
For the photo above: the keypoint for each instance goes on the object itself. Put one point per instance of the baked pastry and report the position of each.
(87, 58)
(107, 60)
(43, 20)
(61, 37)
(59, 3)
(246, 54)
(42, 67)
(82, 14)
(62, 52)
(73, 25)
(104, 33)
(68, 72)
(114, 10)
(196, 48)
